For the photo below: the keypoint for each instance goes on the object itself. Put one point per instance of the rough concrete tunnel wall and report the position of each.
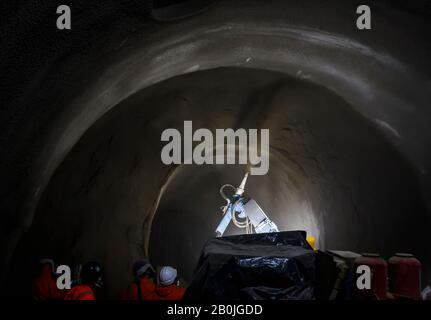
(348, 114)
(332, 173)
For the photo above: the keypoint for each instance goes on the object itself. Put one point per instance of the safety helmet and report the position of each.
(167, 275)
(141, 267)
(91, 272)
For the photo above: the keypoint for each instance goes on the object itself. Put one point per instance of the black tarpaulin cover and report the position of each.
(270, 266)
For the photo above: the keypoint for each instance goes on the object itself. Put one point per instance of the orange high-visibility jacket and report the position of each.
(45, 286)
(80, 292)
(147, 290)
(172, 292)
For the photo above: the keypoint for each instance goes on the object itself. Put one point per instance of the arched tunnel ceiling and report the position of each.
(367, 71)
(332, 173)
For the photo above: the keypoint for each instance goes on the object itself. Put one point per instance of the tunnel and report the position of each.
(347, 112)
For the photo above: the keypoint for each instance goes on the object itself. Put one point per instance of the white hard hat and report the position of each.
(167, 275)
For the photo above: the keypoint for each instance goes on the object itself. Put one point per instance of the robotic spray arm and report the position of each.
(244, 212)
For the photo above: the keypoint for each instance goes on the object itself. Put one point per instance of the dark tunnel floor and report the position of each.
(332, 173)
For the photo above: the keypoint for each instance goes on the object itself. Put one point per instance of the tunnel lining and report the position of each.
(56, 151)
(112, 163)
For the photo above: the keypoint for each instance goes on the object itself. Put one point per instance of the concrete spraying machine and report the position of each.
(269, 264)
(244, 212)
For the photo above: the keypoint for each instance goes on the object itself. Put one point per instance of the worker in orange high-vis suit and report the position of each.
(143, 287)
(91, 278)
(168, 288)
(44, 286)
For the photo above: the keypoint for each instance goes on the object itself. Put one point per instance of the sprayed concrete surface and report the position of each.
(348, 114)
(332, 173)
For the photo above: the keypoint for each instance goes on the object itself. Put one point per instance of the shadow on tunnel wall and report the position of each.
(332, 173)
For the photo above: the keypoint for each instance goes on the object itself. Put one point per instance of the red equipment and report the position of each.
(379, 273)
(405, 276)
